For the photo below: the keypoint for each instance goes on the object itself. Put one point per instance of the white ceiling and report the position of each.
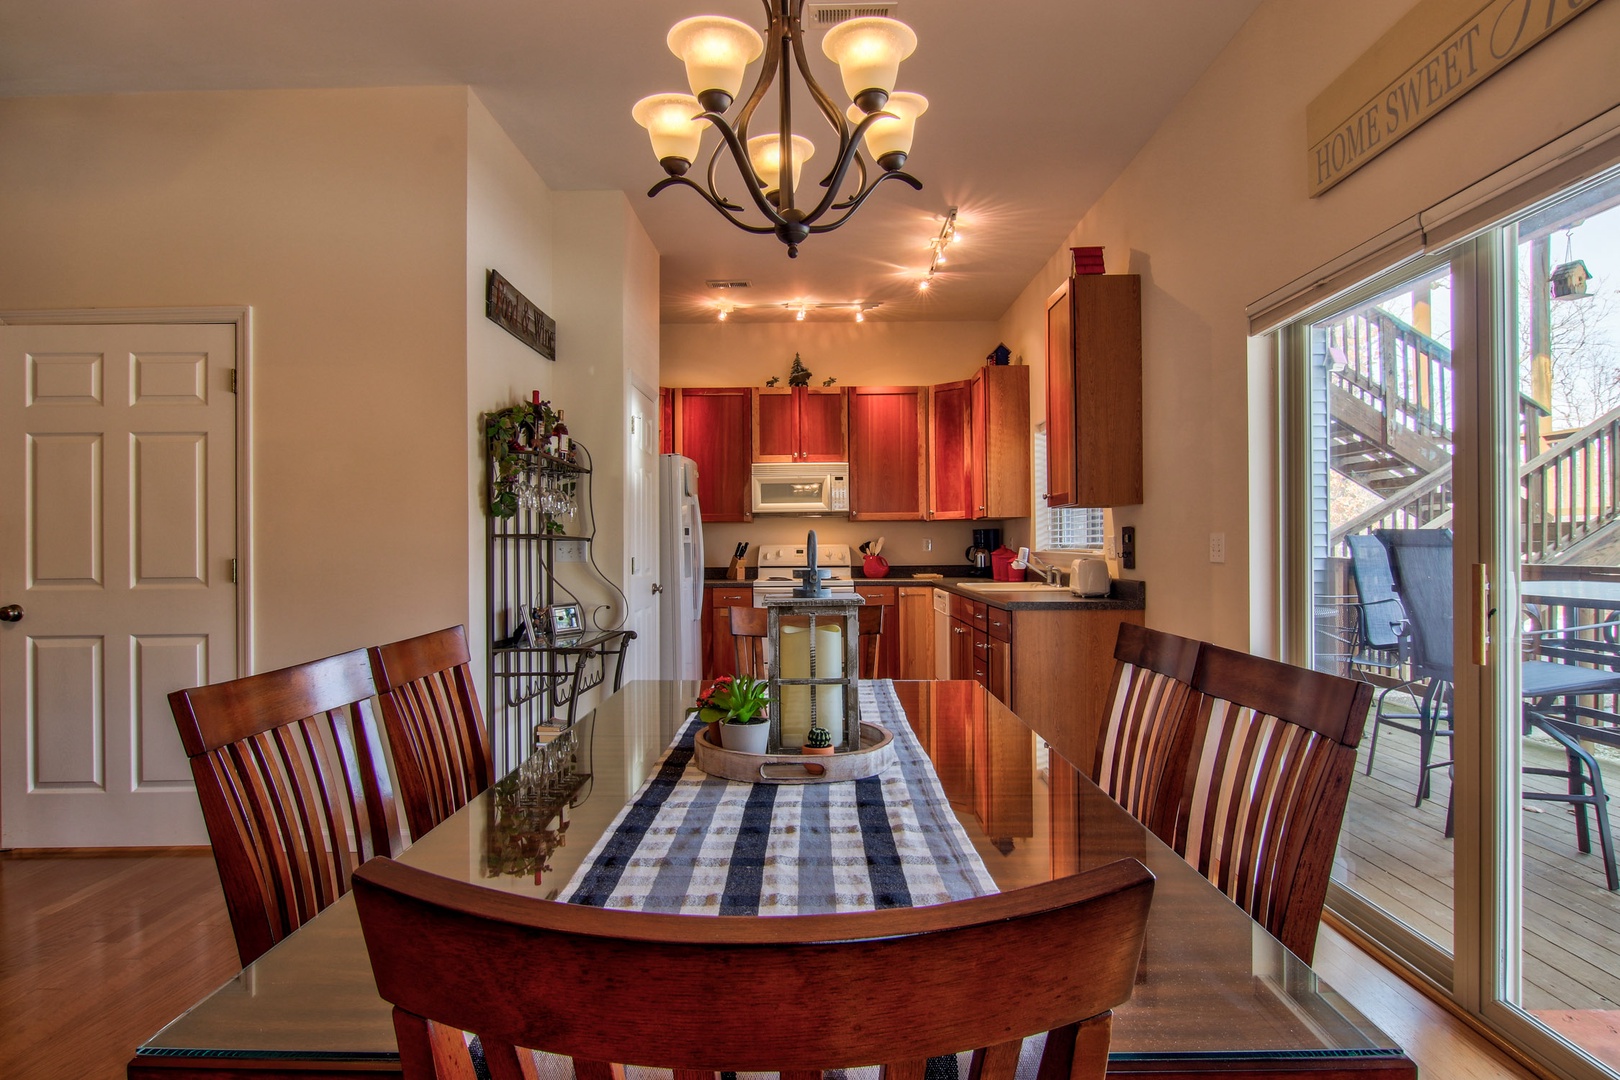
(1035, 107)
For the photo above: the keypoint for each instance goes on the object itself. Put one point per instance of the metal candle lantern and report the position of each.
(813, 637)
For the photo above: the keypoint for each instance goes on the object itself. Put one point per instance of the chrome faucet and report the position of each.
(1051, 574)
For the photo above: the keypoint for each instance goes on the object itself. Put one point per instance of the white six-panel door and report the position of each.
(117, 477)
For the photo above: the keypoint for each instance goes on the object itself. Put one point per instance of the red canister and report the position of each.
(1001, 565)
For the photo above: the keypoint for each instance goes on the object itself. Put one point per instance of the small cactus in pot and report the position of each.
(818, 740)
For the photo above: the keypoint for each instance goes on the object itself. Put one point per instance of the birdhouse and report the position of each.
(1569, 281)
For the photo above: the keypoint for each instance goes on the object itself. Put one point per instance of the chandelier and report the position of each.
(716, 51)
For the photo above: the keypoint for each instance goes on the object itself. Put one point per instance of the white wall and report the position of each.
(338, 216)
(1213, 214)
(873, 353)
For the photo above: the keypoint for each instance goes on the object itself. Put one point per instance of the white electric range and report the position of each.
(778, 561)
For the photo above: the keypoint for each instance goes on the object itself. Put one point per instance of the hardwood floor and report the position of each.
(98, 952)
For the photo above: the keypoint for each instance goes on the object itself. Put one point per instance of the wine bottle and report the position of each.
(559, 432)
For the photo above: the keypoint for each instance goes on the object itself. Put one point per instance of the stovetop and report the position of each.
(778, 561)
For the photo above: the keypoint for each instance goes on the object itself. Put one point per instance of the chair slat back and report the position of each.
(1271, 754)
(801, 994)
(871, 639)
(1141, 758)
(441, 748)
(1421, 562)
(288, 766)
(748, 629)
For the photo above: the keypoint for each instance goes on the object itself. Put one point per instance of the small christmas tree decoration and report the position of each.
(799, 375)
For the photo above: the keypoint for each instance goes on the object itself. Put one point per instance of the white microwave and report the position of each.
(804, 488)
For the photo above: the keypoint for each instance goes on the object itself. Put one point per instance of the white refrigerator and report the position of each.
(680, 569)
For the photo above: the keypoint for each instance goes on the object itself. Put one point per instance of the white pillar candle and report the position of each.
(795, 661)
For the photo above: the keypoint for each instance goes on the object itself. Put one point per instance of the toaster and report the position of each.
(1089, 577)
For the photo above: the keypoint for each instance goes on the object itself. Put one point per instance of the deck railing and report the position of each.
(1395, 368)
(1570, 492)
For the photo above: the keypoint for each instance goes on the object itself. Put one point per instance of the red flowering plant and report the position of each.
(729, 700)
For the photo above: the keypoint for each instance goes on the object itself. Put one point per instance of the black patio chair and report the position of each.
(1380, 642)
(1552, 690)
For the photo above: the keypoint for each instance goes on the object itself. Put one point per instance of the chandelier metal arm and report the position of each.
(714, 188)
(854, 203)
(739, 152)
(726, 209)
(770, 63)
(835, 179)
(829, 109)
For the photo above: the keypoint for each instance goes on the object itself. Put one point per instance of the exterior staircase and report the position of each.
(1391, 431)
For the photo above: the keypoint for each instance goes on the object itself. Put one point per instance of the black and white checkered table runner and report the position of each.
(691, 843)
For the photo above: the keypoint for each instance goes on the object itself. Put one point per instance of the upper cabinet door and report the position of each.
(801, 423)
(1000, 474)
(1094, 391)
(823, 424)
(888, 474)
(776, 424)
(950, 457)
(711, 428)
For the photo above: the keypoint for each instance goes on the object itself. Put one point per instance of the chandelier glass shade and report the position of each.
(717, 51)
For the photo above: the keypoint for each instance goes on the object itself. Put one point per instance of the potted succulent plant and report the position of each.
(818, 740)
(744, 725)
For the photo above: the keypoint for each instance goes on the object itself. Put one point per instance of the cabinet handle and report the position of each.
(958, 630)
(981, 646)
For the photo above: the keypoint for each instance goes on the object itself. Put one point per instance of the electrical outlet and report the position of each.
(570, 551)
(928, 543)
(1217, 547)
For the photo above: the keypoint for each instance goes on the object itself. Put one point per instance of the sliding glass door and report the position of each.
(1455, 428)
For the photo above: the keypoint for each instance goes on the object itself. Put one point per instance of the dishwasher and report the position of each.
(942, 634)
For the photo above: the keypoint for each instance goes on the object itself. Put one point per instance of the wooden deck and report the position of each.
(1397, 857)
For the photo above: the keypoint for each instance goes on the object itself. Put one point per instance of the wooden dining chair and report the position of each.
(1141, 758)
(1272, 747)
(871, 639)
(288, 767)
(798, 994)
(435, 729)
(748, 626)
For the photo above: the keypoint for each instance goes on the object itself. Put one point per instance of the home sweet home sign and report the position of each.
(1437, 53)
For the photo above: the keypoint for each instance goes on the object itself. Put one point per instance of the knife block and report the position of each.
(735, 571)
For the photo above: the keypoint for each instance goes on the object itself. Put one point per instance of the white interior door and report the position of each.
(641, 527)
(117, 474)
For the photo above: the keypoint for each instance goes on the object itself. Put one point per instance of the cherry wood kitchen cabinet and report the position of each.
(719, 652)
(1094, 391)
(800, 423)
(711, 428)
(950, 451)
(666, 420)
(1059, 674)
(888, 468)
(915, 610)
(978, 437)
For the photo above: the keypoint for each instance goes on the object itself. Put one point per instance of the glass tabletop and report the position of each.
(1213, 986)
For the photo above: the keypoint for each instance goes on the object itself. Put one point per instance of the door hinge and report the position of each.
(233, 380)
(632, 424)
(233, 571)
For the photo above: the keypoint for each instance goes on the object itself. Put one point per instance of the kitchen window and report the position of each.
(1070, 528)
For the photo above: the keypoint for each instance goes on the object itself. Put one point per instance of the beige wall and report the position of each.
(1213, 214)
(873, 353)
(338, 216)
(510, 229)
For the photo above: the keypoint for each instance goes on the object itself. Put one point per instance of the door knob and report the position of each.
(11, 613)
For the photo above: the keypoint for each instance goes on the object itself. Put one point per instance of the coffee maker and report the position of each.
(985, 541)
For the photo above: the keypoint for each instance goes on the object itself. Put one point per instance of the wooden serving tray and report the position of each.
(875, 755)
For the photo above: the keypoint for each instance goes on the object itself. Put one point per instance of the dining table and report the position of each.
(1214, 992)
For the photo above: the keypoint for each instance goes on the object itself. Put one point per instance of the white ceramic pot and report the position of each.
(745, 738)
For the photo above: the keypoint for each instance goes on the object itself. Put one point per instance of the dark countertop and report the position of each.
(1126, 595)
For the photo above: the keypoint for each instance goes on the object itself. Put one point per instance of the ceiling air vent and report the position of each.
(728, 283)
(833, 14)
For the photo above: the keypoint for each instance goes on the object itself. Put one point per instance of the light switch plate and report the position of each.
(570, 551)
(1217, 547)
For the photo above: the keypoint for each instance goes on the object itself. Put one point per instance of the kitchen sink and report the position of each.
(1012, 586)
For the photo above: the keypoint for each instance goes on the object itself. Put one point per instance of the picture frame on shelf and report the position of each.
(564, 622)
